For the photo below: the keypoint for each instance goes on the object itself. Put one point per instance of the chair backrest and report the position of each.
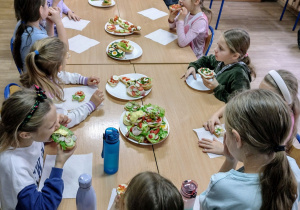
(10, 89)
(209, 40)
(11, 49)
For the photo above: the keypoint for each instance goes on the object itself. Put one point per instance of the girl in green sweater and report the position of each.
(230, 63)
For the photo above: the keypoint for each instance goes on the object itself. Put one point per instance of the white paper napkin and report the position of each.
(114, 194)
(153, 13)
(81, 43)
(77, 25)
(73, 168)
(162, 36)
(202, 133)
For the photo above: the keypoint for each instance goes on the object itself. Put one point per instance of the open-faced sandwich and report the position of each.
(114, 52)
(130, 82)
(110, 27)
(79, 96)
(219, 131)
(134, 117)
(113, 80)
(135, 90)
(114, 20)
(174, 7)
(145, 82)
(106, 3)
(121, 189)
(125, 46)
(65, 138)
(206, 73)
(132, 106)
(124, 80)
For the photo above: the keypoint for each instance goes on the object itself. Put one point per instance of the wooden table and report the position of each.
(133, 158)
(153, 52)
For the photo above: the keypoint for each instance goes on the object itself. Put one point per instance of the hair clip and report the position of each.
(36, 52)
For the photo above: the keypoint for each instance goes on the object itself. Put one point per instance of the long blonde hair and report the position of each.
(13, 112)
(263, 122)
(43, 63)
(292, 84)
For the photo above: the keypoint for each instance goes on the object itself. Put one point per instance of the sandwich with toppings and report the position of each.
(133, 118)
(219, 131)
(65, 137)
(125, 46)
(135, 91)
(79, 96)
(121, 189)
(124, 80)
(174, 7)
(145, 82)
(106, 3)
(113, 51)
(110, 27)
(113, 81)
(132, 106)
(206, 73)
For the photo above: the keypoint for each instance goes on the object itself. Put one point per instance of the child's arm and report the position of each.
(79, 114)
(75, 78)
(173, 18)
(69, 12)
(205, 61)
(214, 120)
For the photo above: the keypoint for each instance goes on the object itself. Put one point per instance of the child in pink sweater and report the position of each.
(192, 24)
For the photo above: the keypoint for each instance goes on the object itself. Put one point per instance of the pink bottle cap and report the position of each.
(189, 188)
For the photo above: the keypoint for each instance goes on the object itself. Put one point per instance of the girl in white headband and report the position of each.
(281, 82)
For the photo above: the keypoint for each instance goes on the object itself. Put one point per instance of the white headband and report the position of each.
(282, 86)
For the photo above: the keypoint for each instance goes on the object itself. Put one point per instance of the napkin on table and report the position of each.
(162, 36)
(153, 13)
(202, 133)
(77, 25)
(81, 43)
(73, 168)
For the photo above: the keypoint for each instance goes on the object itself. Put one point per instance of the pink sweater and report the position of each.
(192, 32)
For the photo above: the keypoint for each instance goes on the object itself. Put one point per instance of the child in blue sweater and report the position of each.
(22, 150)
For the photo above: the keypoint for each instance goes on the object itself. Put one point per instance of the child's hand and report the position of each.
(93, 81)
(210, 84)
(210, 124)
(63, 119)
(183, 13)
(190, 71)
(97, 98)
(55, 15)
(173, 14)
(72, 15)
(62, 156)
(212, 146)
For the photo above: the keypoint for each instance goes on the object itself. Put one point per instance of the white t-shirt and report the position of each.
(19, 168)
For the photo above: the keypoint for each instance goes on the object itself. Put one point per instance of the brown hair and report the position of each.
(262, 120)
(238, 41)
(26, 11)
(149, 190)
(42, 68)
(206, 11)
(13, 112)
(292, 85)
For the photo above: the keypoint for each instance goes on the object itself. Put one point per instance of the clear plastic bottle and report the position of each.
(188, 192)
(110, 150)
(86, 196)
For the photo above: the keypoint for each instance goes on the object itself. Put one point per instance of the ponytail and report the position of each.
(278, 184)
(206, 11)
(247, 61)
(17, 44)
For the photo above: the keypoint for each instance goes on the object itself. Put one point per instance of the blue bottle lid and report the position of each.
(85, 180)
(111, 135)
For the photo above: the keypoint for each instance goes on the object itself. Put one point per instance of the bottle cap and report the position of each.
(85, 180)
(189, 188)
(111, 135)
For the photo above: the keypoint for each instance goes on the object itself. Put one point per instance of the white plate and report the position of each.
(117, 27)
(137, 51)
(123, 129)
(196, 84)
(119, 91)
(98, 3)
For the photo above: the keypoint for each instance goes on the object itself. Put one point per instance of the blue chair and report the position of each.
(209, 40)
(283, 11)
(220, 12)
(11, 49)
(10, 89)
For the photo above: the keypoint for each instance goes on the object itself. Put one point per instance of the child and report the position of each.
(63, 9)
(29, 30)
(22, 152)
(257, 124)
(282, 82)
(149, 191)
(230, 63)
(191, 25)
(45, 62)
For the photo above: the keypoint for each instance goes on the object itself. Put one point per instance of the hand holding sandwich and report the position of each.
(63, 119)
(183, 13)
(62, 156)
(97, 98)
(210, 84)
(93, 81)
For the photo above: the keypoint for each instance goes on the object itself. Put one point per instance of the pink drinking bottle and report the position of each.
(188, 192)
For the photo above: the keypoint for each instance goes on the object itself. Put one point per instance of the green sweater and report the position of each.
(235, 78)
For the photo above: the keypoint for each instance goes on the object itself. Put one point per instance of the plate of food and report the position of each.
(102, 3)
(129, 86)
(118, 26)
(122, 49)
(145, 125)
(198, 83)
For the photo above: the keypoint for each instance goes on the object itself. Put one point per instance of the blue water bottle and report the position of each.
(110, 150)
(86, 196)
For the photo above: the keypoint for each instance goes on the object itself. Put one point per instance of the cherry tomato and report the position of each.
(131, 129)
(150, 136)
(158, 119)
(140, 124)
(133, 93)
(149, 120)
(155, 131)
(79, 93)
